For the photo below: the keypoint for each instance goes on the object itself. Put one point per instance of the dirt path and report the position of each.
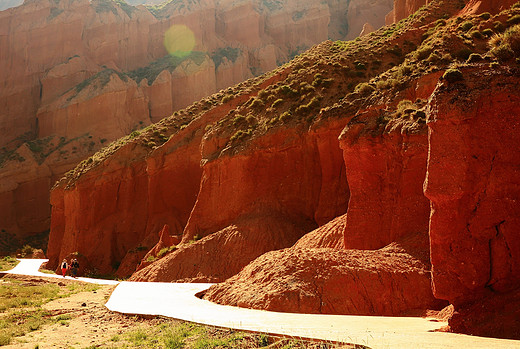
(85, 323)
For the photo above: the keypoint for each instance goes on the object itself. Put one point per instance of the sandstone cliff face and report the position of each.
(116, 184)
(385, 172)
(480, 6)
(402, 9)
(474, 188)
(303, 149)
(246, 207)
(361, 13)
(49, 50)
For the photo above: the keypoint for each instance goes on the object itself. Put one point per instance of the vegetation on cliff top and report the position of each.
(336, 79)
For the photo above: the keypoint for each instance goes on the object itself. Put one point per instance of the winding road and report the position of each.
(178, 300)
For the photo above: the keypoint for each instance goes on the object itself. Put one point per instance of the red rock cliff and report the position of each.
(246, 206)
(55, 57)
(471, 182)
(385, 172)
(402, 9)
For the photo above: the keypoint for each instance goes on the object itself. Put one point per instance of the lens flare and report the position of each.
(179, 40)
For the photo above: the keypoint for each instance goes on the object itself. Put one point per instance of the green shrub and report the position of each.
(405, 106)
(238, 119)
(288, 90)
(499, 26)
(488, 32)
(257, 103)
(364, 89)
(463, 53)
(240, 134)
(474, 57)
(360, 65)
(403, 71)
(423, 52)
(229, 53)
(433, 58)
(264, 94)
(164, 251)
(465, 26)
(485, 15)
(134, 134)
(286, 116)
(453, 75)
(382, 85)
(226, 98)
(503, 52)
(476, 34)
(447, 58)
(277, 103)
(513, 20)
(506, 45)
(395, 50)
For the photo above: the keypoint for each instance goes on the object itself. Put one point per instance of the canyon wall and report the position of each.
(338, 183)
(473, 186)
(76, 69)
(385, 173)
(246, 206)
(402, 9)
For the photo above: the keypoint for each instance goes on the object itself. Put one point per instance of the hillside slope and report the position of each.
(354, 162)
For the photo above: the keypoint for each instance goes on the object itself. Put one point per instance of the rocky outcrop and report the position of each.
(331, 281)
(329, 235)
(120, 182)
(473, 187)
(480, 6)
(371, 13)
(76, 113)
(224, 253)
(495, 316)
(324, 161)
(166, 244)
(403, 8)
(248, 206)
(385, 173)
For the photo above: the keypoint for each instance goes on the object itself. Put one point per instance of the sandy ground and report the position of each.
(91, 323)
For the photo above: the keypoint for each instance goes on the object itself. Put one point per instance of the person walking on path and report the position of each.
(64, 267)
(74, 266)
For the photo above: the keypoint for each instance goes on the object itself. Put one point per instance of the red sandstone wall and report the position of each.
(48, 47)
(473, 184)
(403, 8)
(385, 173)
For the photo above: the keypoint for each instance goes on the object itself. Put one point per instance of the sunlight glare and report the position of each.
(179, 40)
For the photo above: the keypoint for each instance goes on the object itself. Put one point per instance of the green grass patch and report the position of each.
(21, 305)
(8, 263)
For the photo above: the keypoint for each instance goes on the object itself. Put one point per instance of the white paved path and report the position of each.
(178, 301)
(30, 267)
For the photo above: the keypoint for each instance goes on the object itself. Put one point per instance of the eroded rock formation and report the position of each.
(77, 69)
(402, 9)
(354, 162)
(473, 186)
(388, 281)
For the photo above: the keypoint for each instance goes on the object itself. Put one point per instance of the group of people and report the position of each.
(73, 266)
